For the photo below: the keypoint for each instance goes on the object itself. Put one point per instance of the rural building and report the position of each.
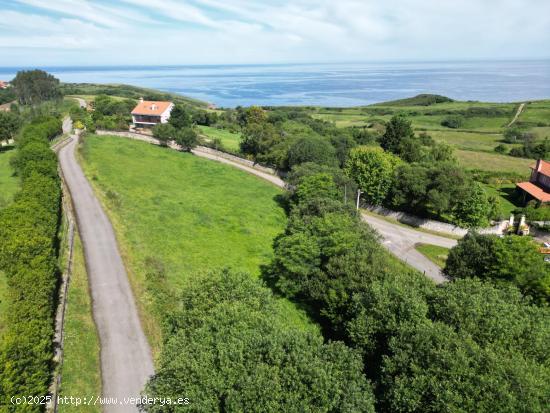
(148, 113)
(538, 186)
(3, 85)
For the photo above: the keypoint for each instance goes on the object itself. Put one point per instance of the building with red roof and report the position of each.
(148, 113)
(538, 186)
(3, 85)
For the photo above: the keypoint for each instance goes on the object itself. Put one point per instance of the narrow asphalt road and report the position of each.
(401, 242)
(126, 362)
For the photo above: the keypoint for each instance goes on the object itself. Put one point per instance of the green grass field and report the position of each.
(229, 139)
(9, 184)
(189, 213)
(436, 254)
(506, 195)
(81, 376)
(493, 162)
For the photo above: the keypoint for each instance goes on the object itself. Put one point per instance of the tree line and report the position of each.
(467, 345)
(28, 257)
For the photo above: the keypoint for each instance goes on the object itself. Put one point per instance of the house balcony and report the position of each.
(145, 120)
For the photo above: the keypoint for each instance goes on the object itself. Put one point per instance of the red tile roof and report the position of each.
(535, 191)
(544, 167)
(150, 107)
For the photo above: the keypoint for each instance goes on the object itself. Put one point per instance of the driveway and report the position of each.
(126, 362)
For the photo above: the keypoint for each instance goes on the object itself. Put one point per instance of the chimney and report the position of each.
(140, 100)
(539, 165)
(153, 107)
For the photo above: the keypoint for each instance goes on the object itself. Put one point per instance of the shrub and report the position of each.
(28, 255)
(453, 122)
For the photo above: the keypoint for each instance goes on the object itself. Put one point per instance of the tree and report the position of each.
(187, 138)
(434, 368)
(35, 86)
(318, 185)
(180, 117)
(510, 260)
(373, 170)
(9, 125)
(453, 121)
(473, 209)
(247, 359)
(343, 143)
(311, 149)
(164, 132)
(397, 129)
(258, 138)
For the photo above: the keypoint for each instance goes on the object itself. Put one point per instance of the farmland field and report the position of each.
(9, 184)
(229, 139)
(494, 162)
(185, 213)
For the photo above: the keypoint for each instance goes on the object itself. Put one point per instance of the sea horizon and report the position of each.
(341, 84)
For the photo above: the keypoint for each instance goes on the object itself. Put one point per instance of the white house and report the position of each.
(148, 113)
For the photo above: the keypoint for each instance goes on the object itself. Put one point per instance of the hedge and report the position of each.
(28, 257)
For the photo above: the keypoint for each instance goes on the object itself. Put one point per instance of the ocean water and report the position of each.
(343, 84)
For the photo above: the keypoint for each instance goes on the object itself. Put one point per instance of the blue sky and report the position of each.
(152, 32)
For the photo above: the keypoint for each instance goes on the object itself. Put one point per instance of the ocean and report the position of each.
(337, 85)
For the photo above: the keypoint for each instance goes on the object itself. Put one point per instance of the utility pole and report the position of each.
(359, 192)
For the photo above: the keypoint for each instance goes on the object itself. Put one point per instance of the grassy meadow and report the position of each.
(9, 185)
(184, 213)
(436, 254)
(229, 140)
(81, 376)
(482, 128)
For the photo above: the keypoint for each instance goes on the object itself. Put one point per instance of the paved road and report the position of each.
(401, 240)
(126, 361)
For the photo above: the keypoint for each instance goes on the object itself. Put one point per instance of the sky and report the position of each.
(172, 32)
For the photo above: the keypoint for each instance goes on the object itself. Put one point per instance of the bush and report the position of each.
(28, 256)
(501, 149)
(244, 358)
(453, 122)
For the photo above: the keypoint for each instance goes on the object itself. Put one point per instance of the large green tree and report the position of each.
(512, 259)
(373, 170)
(228, 350)
(9, 125)
(35, 86)
(398, 129)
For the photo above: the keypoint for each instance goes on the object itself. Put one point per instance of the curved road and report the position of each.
(126, 362)
(401, 242)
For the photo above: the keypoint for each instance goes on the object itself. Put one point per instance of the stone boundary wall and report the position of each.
(433, 225)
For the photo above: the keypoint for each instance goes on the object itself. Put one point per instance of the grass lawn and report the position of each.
(436, 254)
(9, 184)
(189, 213)
(493, 162)
(81, 376)
(506, 195)
(229, 139)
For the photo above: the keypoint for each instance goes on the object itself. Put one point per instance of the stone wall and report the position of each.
(433, 225)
